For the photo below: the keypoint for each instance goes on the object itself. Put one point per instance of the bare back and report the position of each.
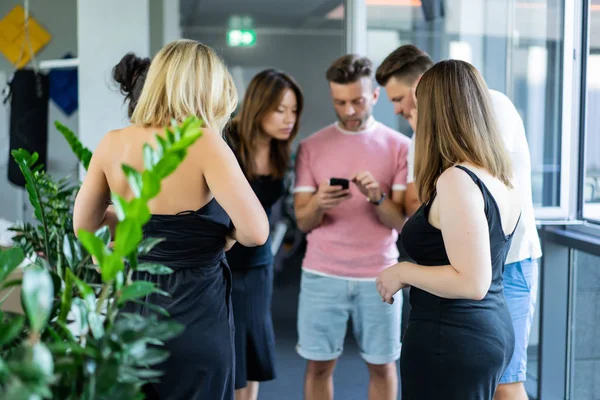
(209, 170)
(185, 189)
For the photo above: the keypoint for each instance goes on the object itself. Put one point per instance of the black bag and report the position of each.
(29, 95)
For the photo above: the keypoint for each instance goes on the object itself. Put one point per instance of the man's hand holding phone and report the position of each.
(330, 196)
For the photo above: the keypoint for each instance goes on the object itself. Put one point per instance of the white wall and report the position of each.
(107, 29)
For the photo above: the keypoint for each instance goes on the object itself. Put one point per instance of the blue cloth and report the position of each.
(520, 290)
(63, 88)
(324, 307)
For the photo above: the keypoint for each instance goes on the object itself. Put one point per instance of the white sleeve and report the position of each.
(410, 178)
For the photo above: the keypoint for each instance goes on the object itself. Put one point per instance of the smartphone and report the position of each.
(344, 183)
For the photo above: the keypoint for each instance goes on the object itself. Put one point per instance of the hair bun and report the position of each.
(127, 71)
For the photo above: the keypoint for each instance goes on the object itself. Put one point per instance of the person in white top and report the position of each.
(399, 74)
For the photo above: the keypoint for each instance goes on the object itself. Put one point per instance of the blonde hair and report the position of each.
(456, 124)
(186, 78)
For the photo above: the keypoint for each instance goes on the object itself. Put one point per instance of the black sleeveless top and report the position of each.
(425, 245)
(455, 349)
(269, 190)
(192, 238)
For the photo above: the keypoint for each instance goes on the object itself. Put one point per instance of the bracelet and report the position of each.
(378, 202)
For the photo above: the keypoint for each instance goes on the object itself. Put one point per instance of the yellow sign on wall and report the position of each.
(12, 37)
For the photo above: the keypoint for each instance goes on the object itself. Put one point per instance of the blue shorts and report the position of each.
(520, 290)
(326, 304)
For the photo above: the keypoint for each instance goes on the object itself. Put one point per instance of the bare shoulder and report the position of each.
(209, 142)
(455, 183)
(211, 149)
(108, 143)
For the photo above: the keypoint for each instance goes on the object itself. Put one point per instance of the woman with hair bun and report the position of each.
(193, 212)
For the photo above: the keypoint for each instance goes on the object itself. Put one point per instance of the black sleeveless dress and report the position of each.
(252, 269)
(201, 361)
(455, 349)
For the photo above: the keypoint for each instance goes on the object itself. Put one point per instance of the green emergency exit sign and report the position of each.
(241, 37)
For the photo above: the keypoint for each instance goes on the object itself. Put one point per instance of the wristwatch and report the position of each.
(378, 202)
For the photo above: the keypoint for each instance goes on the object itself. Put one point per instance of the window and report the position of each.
(591, 183)
(518, 47)
(585, 345)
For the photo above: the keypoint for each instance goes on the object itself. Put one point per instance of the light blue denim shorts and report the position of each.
(325, 305)
(520, 290)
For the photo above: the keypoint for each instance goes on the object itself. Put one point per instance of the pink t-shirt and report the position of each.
(351, 242)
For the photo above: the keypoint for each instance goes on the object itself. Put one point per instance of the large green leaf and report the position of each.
(164, 330)
(26, 161)
(151, 356)
(120, 205)
(10, 259)
(93, 244)
(9, 330)
(37, 293)
(186, 142)
(161, 148)
(148, 244)
(156, 269)
(16, 389)
(111, 266)
(96, 325)
(32, 362)
(151, 157)
(167, 165)
(134, 178)
(69, 347)
(152, 307)
(138, 211)
(128, 236)
(86, 292)
(66, 297)
(80, 311)
(151, 185)
(72, 251)
(83, 154)
(136, 290)
(104, 234)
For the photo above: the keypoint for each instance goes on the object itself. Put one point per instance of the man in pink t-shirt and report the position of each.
(352, 233)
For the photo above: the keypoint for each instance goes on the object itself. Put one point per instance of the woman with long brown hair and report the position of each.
(261, 137)
(460, 336)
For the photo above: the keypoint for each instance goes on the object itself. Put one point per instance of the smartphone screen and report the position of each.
(344, 183)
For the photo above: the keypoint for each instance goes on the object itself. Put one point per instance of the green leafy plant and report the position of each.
(52, 200)
(76, 341)
(53, 238)
(83, 153)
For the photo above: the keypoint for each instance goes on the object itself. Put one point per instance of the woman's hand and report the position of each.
(389, 283)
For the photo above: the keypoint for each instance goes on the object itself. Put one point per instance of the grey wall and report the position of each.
(59, 18)
(305, 57)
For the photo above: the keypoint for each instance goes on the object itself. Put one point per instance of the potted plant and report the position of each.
(74, 341)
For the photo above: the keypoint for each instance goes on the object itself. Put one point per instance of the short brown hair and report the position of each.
(406, 63)
(349, 69)
(461, 130)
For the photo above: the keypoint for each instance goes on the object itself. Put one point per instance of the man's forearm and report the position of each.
(390, 214)
(309, 216)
